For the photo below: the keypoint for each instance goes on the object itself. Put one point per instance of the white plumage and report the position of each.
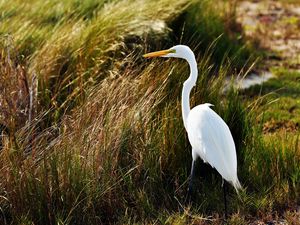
(212, 141)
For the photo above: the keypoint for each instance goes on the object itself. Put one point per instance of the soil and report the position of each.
(275, 27)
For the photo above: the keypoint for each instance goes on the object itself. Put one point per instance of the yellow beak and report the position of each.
(157, 54)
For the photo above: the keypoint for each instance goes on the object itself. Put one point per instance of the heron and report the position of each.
(208, 134)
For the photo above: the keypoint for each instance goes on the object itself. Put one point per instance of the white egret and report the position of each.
(208, 134)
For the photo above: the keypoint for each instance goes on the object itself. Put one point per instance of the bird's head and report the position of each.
(177, 51)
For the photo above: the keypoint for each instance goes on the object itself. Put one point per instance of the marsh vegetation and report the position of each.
(91, 133)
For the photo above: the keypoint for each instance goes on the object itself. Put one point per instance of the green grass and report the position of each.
(103, 141)
(279, 106)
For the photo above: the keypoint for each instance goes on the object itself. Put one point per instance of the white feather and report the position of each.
(212, 141)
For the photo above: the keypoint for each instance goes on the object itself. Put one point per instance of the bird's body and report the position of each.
(208, 134)
(211, 140)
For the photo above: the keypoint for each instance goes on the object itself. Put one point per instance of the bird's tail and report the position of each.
(237, 185)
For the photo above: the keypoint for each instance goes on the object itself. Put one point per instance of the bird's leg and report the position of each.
(190, 188)
(225, 201)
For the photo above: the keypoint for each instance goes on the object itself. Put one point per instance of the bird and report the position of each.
(208, 134)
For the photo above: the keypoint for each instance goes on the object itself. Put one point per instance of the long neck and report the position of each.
(187, 87)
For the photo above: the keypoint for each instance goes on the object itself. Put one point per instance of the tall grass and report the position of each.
(114, 154)
(105, 142)
(71, 49)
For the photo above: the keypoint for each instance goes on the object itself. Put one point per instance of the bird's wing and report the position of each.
(211, 139)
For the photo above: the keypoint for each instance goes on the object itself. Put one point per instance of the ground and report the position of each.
(275, 27)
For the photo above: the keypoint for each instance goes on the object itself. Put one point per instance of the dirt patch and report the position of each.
(275, 26)
(272, 126)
